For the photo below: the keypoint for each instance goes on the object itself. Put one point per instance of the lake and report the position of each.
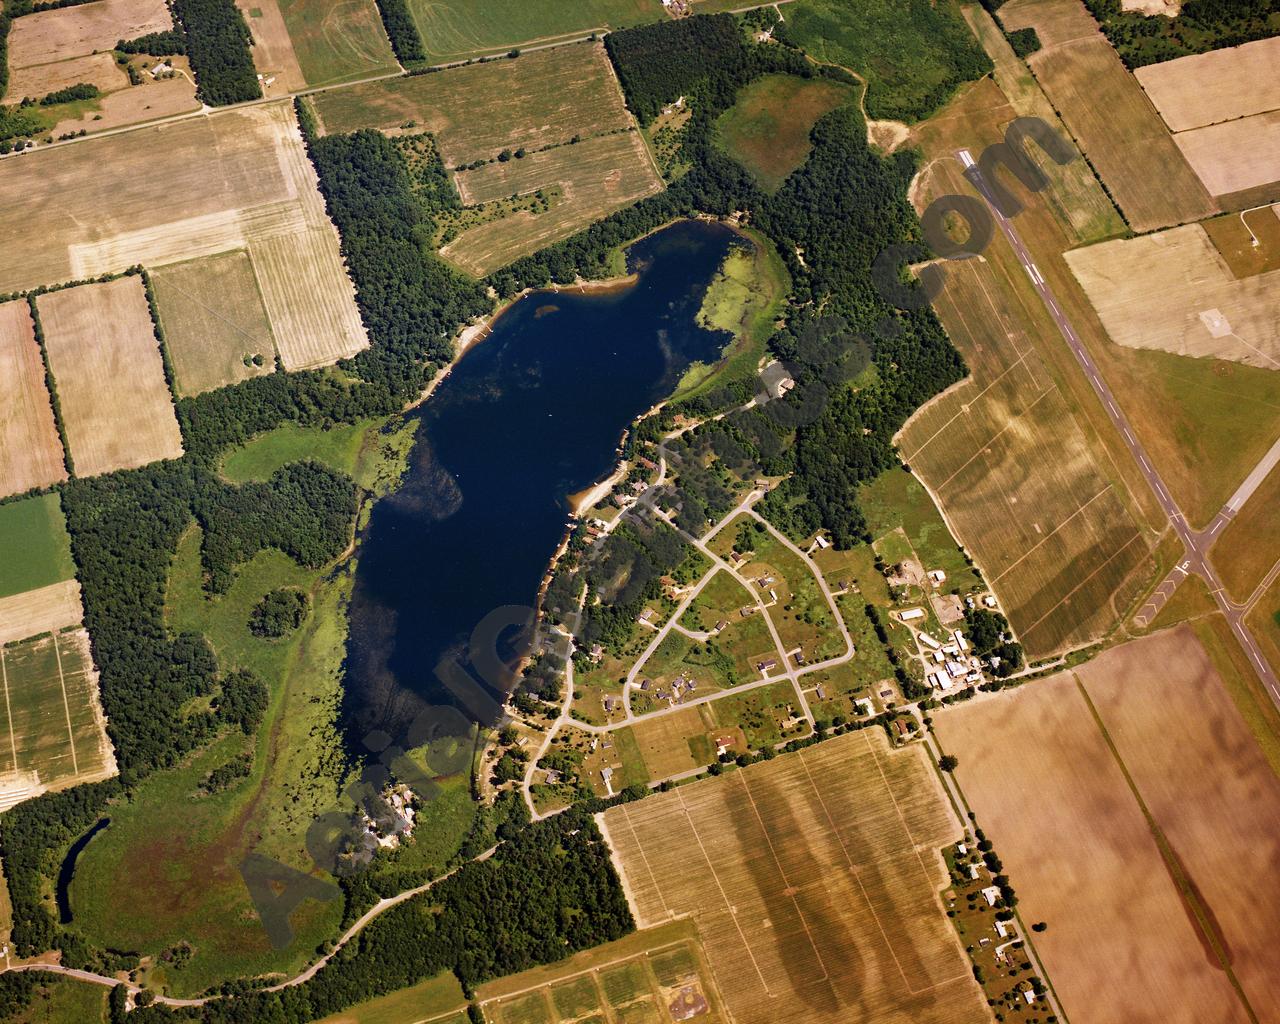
(530, 415)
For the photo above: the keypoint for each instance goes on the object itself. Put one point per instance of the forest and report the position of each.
(1200, 26)
(156, 44)
(218, 43)
(401, 30)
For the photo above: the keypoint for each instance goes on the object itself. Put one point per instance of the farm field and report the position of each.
(767, 129)
(48, 36)
(1077, 197)
(337, 42)
(35, 549)
(213, 319)
(652, 975)
(1250, 545)
(30, 449)
(593, 178)
(543, 98)
(251, 187)
(1173, 291)
(1109, 116)
(1221, 85)
(38, 80)
(52, 731)
(913, 54)
(1235, 158)
(813, 879)
(454, 30)
(1057, 806)
(149, 101)
(40, 610)
(109, 376)
(272, 48)
(437, 999)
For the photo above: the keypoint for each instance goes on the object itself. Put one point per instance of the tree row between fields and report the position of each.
(551, 889)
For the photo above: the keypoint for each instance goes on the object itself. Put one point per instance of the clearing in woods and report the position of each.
(1136, 775)
(454, 30)
(767, 128)
(591, 179)
(51, 724)
(109, 375)
(238, 179)
(1109, 116)
(214, 322)
(543, 98)
(338, 41)
(35, 549)
(813, 879)
(30, 449)
(58, 34)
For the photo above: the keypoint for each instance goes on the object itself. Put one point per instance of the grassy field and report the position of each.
(110, 376)
(1250, 545)
(543, 98)
(35, 549)
(1112, 121)
(912, 53)
(214, 323)
(675, 743)
(337, 42)
(1249, 242)
(454, 30)
(51, 723)
(64, 1001)
(592, 179)
(439, 998)
(855, 928)
(258, 458)
(1264, 622)
(767, 128)
(198, 187)
(30, 449)
(1077, 197)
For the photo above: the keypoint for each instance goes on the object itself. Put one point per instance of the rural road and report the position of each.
(1196, 544)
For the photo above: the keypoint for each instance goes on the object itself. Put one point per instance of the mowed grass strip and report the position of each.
(110, 376)
(1121, 945)
(595, 177)
(30, 449)
(459, 29)
(1207, 784)
(1111, 119)
(337, 42)
(35, 548)
(542, 98)
(767, 128)
(1250, 545)
(213, 320)
(813, 879)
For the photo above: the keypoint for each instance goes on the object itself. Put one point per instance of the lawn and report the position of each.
(459, 29)
(912, 53)
(337, 42)
(35, 549)
(767, 128)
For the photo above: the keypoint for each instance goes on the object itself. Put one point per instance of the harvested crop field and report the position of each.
(150, 101)
(767, 129)
(1221, 85)
(1174, 292)
(543, 98)
(272, 48)
(214, 321)
(238, 179)
(814, 882)
(338, 41)
(41, 610)
(30, 449)
(109, 375)
(1109, 115)
(48, 36)
(458, 29)
(1236, 156)
(593, 178)
(98, 69)
(1120, 945)
(51, 724)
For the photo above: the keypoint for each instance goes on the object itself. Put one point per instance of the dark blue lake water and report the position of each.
(532, 414)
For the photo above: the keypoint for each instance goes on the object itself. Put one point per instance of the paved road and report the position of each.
(1196, 544)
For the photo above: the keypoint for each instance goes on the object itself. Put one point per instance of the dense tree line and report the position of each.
(79, 91)
(548, 892)
(218, 43)
(156, 44)
(1200, 26)
(5, 24)
(402, 31)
